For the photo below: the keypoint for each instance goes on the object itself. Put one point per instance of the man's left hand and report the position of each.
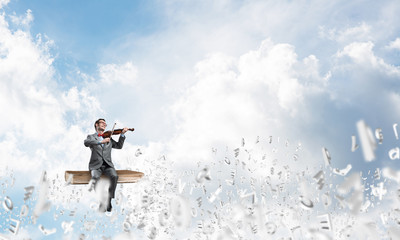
(124, 130)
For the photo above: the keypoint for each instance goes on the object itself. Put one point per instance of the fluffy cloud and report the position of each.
(395, 44)
(362, 53)
(347, 34)
(259, 93)
(40, 121)
(23, 20)
(125, 74)
(3, 3)
(26, 85)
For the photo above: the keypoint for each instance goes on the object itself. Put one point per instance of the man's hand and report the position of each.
(105, 140)
(124, 130)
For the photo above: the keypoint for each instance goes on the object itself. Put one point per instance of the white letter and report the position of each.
(367, 140)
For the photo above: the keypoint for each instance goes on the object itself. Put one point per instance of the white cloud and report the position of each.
(112, 73)
(258, 93)
(39, 120)
(24, 21)
(394, 44)
(3, 3)
(362, 53)
(25, 75)
(347, 34)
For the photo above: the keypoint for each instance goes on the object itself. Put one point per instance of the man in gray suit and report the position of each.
(100, 160)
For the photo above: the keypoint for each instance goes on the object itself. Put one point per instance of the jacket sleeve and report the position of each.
(90, 141)
(119, 144)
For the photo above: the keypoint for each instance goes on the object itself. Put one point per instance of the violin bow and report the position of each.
(112, 131)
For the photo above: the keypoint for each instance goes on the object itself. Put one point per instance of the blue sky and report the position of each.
(82, 30)
(197, 80)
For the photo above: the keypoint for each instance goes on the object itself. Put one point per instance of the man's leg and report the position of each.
(96, 174)
(112, 175)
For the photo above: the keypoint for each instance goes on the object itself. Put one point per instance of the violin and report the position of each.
(108, 134)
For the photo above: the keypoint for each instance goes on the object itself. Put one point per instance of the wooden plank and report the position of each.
(83, 177)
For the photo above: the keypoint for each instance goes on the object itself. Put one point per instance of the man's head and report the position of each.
(100, 123)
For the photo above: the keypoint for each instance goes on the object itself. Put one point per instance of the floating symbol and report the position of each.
(47, 231)
(377, 174)
(254, 229)
(327, 156)
(181, 186)
(271, 227)
(200, 225)
(379, 191)
(203, 175)
(67, 226)
(367, 140)
(72, 213)
(8, 204)
(127, 226)
(379, 135)
(354, 144)
(138, 152)
(325, 222)
(227, 161)
(14, 227)
(306, 203)
(252, 196)
(199, 201)
(24, 211)
(394, 153)
(326, 199)
(194, 212)
(319, 177)
(215, 194)
(343, 172)
(237, 152)
(153, 233)
(28, 192)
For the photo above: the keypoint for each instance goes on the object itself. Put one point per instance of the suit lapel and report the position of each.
(97, 139)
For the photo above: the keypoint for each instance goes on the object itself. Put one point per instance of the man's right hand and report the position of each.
(105, 140)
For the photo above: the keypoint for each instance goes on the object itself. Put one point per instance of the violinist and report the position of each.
(100, 160)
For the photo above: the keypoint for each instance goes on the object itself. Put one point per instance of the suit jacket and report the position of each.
(101, 153)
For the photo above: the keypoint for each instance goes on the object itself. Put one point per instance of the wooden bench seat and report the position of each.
(83, 177)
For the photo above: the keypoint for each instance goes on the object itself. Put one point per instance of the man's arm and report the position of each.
(90, 141)
(120, 143)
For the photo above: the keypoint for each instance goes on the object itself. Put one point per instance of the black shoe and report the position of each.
(109, 206)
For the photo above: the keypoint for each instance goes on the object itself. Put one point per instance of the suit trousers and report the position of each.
(110, 173)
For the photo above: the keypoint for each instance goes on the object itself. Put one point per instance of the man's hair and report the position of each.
(98, 120)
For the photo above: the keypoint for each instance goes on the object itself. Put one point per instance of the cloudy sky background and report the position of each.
(194, 76)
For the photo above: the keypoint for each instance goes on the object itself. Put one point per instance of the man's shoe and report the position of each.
(109, 206)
